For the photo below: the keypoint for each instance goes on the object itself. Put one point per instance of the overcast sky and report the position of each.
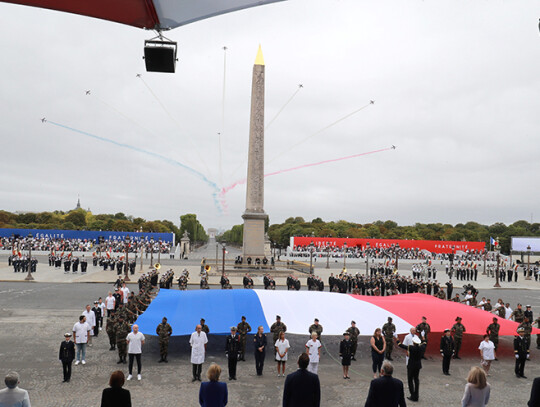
(456, 85)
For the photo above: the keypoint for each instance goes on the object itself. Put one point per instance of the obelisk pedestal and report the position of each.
(254, 216)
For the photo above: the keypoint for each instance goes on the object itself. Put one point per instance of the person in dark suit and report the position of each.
(302, 388)
(385, 390)
(521, 351)
(447, 351)
(213, 393)
(66, 355)
(415, 352)
(232, 352)
(116, 396)
(534, 401)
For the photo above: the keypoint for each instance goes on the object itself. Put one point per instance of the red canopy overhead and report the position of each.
(149, 14)
(137, 13)
(440, 314)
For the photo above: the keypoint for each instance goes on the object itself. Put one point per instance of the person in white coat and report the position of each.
(198, 341)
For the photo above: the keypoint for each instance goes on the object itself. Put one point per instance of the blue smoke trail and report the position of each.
(168, 160)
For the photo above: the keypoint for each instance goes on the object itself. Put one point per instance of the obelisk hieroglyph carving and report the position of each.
(254, 216)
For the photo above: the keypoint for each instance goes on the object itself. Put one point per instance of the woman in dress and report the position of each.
(477, 389)
(487, 353)
(378, 347)
(282, 349)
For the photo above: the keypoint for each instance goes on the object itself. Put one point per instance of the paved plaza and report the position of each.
(34, 317)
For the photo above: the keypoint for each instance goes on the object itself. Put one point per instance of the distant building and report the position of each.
(212, 232)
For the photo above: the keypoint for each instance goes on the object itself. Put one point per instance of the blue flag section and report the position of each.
(220, 308)
(85, 234)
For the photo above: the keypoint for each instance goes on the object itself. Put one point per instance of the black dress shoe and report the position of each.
(523, 377)
(120, 361)
(518, 376)
(194, 379)
(410, 398)
(390, 359)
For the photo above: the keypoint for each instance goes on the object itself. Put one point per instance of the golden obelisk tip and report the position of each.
(259, 60)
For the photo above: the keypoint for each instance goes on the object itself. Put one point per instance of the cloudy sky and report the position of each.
(456, 85)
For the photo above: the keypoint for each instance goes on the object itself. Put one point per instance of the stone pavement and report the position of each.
(33, 318)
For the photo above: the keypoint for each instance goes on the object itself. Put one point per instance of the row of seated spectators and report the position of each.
(324, 251)
(48, 244)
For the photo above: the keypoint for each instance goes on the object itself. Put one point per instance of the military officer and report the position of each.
(388, 331)
(447, 350)
(317, 328)
(354, 332)
(164, 332)
(122, 331)
(204, 327)
(110, 328)
(493, 332)
(277, 327)
(518, 314)
(458, 329)
(232, 351)
(243, 329)
(527, 326)
(521, 352)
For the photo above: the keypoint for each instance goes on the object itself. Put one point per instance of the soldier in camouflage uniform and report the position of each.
(353, 332)
(110, 327)
(388, 331)
(518, 315)
(276, 328)
(164, 332)
(493, 332)
(204, 327)
(458, 329)
(315, 327)
(122, 331)
(243, 329)
(528, 329)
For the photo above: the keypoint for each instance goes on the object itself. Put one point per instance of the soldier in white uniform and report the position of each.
(198, 343)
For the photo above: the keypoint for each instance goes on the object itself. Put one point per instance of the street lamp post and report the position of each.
(311, 257)
(367, 258)
(29, 275)
(223, 259)
(485, 255)
(528, 263)
(142, 248)
(159, 252)
(397, 255)
(498, 250)
(345, 256)
(151, 252)
(126, 265)
(327, 255)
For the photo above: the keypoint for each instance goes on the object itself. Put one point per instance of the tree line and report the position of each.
(280, 233)
(79, 219)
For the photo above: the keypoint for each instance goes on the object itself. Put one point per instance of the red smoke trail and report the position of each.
(243, 181)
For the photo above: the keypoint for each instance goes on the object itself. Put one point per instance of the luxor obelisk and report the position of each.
(254, 216)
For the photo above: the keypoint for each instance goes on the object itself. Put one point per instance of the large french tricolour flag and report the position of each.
(224, 308)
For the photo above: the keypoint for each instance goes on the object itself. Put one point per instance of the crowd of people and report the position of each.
(356, 252)
(52, 244)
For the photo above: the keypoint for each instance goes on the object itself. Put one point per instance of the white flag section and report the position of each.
(174, 13)
(334, 311)
(520, 244)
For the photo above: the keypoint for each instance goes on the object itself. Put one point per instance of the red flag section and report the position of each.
(440, 314)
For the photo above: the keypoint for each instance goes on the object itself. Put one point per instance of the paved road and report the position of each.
(34, 317)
